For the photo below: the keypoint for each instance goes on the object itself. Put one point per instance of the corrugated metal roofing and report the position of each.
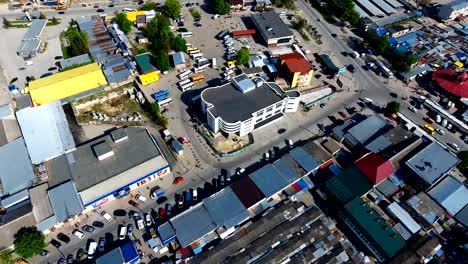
(144, 62)
(404, 217)
(35, 29)
(451, 194)
(269, 180)
(45, 131)
(370, 7)
(129, 252)
(306, 161)
(178, 58)
(225, 208)
(166, 233)
(384, 6)
(366, 129)
(80, 59)
(348, 184)
(112, 256)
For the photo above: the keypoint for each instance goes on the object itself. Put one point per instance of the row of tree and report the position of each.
(344, 10)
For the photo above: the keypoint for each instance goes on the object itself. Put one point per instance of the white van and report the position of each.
(29, 62)
(122, 232)
(92, 249)
(289, 142)
(141, 198)
(194, 195)
(355, 54)
(106, 216)
(78, 234)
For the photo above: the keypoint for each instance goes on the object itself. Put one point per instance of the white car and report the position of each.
(454, 146)
(148, 219)
(78, 234)
(440, 131)
(141, 198)
(140, 224)
(106, 216)
(413, 109)
(122, 232)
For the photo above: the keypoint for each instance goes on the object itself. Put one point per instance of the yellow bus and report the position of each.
(231, 63)
(429, 129)
(198, 78)
(191, 49)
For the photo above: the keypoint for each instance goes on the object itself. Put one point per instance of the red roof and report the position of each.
(453, 82)
(295, 62)
(246, 32)
(375, 167)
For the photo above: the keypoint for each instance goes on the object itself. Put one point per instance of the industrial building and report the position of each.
(32, 40)
(147, 70)
(453, 10)
(296, 69)
(257, 103)
(110, 166)
(77, 60)
(67, 85)
(178, 59)
(45, 131)
(273, 31)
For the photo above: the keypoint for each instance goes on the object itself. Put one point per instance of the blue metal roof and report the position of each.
(166, 233)
(178, 58)
(225, 208)
(306, 161)
(285, 169)
(269, 180)
(129, 252)
(112, 256)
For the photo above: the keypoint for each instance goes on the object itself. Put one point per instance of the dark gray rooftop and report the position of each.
(432, 162)
(86, 170)
(270, 25)
(80, 59)
(369, 128)
(232, 105)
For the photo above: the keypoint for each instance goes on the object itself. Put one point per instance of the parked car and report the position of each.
(454, 146)
(140, 224)
(194, 195)
(168, 209)
(133, 203)
(70, 259)
(106, 216)
(281, 130)
(88, 228)
(129, 230)
(52, 69)
(141, 198)
(148, 220)
(122, 232)
(156, 192)
(100, 10)
(440, 131)
(120, 212)
(182, 30)
(187, 196)
(183, 140)
(178, 180)
(351, 68)
(161, 212)
(80, 254)
(78, 234)
(102, 244)
(342, 114)
(61, 261)
(44, 253)
(98, 224)
(55, 243)
(413, 109)
(161, 200)
(134, 215)
(64, 238)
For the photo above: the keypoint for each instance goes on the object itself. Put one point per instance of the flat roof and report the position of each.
(247, 192)
(232, 105)
(192, 224)
(178, 58)
(42, 208)
(404, 217)
(77, 60)
(35, 29)
(270, 25)
(16, 172)
(225, 208)
(368, 129)
(133, 158)
(425, 207)
(45, 131)
(144, 62)
(432, 162)
(29, 46)
(451, 194)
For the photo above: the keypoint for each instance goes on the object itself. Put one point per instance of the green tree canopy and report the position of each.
(405, 62)
(29, 242)
(159, 33)
(179, 44)
(148, 6)
(154, 111)
(221, 7)
(379, 44)
(124, 24)
(243, 56)
(172, 9)
(78, 42)
(392, 108)
(161, 61)
(6, 257)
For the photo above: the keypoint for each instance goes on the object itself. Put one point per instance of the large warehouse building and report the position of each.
(243, 105)
(272, 29)
(67, 85)
(110, 166)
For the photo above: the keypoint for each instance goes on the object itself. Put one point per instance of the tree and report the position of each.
(151, 29)
(162, 61)
(172, 8)
(463, 155)
(221, 7)
(392, 108)
(179, 44)
(78, 42)
(29, 242)
(54, 21)
(148, 6)
(243, 56)
(6, 257)
(154, 111)
(299, 24)
(41, 15)
(379, 44)
(405, 62)
(6, 23)
(124, 24)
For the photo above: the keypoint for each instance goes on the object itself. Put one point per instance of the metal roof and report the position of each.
(16, 171)
(45, 131)
(462, 216)
(225, 208)
(144, 62)
(166, 233)
(243, 83)
(247, 192)
(373, 10)
(404, 217)
(384, 6)
(306, 161)
(270, 25)
(29, 46)
(379, 144)
(394, 3)
(129, 252)
(432, 162)
(178, 58)
(360, 11)
(77, 60)
(269, 180)
(289, 168)
(451, 194)
(425, 207)
(35, 29)
(350, 183)
(192, 224)
(112, 256)
(42, 208)
(374, 227)
(369, 128)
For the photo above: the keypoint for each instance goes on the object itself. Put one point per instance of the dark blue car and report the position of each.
(351, 68)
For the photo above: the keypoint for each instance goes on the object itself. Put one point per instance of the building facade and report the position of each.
(256, 105)
(296, 69)
(272, 29)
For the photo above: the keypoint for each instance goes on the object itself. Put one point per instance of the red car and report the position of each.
(132, 202)
(178, 180)
(183, 140)
(342, 114)
(161, 212)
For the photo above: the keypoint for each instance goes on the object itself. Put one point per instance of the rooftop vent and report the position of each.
(103, 150)
(269, 29)
(119, 135)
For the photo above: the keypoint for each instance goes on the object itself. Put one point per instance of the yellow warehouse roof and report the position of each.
(133, 14)
(65, 84)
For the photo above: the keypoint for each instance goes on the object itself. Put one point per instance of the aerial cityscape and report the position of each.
(233, 131)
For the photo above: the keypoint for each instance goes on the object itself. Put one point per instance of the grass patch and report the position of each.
(195, 14)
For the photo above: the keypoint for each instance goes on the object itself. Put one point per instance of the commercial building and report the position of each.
(450, 194)
(453, 10)
(146, 68)
(347, 184)
(124, 254)
(32, 41)
(361, 130)
(296, 69)
(273, 31)
(372, 229)
(244, 105)
(45, 131)
(67, 85)
(431, 163)
(109, 166)
(451, 82)
(178, 59)
(77, 60)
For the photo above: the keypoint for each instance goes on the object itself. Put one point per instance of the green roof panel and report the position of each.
(144, 62)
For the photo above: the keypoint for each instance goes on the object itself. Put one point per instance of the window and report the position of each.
(277, 111)
(269, 109)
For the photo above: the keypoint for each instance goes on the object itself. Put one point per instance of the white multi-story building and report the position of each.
(453, 10)
(244, 105)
